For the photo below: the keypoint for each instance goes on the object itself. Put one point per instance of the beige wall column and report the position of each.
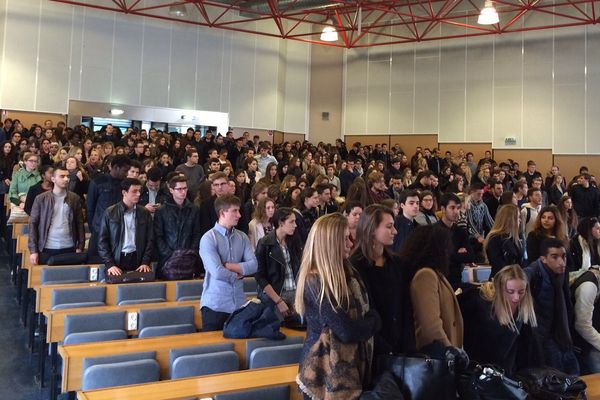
(326, 77)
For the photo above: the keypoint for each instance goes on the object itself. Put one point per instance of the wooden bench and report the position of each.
(43, 298)
(55, 319)
(202, 386)
(73, 355)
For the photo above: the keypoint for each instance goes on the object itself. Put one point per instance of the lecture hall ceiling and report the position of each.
(359, 24)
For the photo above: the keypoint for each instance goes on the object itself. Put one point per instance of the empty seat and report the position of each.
(121, 373)
(61, 275)
(188, 290)
(85, 328)
(166, 321)
(204, 364)
(251, 345)
(275, 356)
(141, 293)
(174, 354)
(250, 285)
(78, 297)
(268, 393)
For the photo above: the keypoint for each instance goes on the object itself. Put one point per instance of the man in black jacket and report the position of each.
(586, 198)
(462, 252)
(126, 235)
(405, 222)
(104, 191)
(491, 198)
(177, 222)
(153, 193)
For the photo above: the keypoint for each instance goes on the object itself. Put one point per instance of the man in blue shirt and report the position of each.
(227, 256)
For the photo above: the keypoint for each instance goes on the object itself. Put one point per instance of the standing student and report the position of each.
(547, 224)
(23, 179)
(405, 221)
(227, 256)
(386, 282)
(261, 223)
(56, 221)
(503, 245)
(126, 239)
(340, 321)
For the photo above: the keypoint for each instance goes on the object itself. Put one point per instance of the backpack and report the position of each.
(183, 264)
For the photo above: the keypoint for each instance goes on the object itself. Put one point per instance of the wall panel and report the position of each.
(127, 63)
(409, 143)
(569, 164)
(478, 149)
(182, 85)
(155, 74)
(542, 158)
(97, 56)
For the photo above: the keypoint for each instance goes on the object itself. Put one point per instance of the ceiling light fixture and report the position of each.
(178, 10)
(116, 111)
(488, 14)
(329, 34)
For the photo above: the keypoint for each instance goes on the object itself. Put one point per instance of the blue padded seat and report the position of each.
(62, 275)
(166, 321)
(268, 393)
(251, 345)
(204, 364)
(144, 355)
(141, 293)
(119, 374)
(275, 356)
(85, 328)
(188, 290)
(174, 354)
(250, 285)
(78, 297)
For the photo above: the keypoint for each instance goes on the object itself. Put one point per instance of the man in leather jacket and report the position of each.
(104, 191)
(176, 222)
(126, 233)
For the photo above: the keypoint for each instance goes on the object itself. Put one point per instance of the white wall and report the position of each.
(541, 87)
(55, 52)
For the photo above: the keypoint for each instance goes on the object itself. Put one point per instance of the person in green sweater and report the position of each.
(23, 179)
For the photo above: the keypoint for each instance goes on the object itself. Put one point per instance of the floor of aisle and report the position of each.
(17, 366)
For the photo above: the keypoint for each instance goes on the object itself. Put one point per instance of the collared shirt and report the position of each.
(129, 231)
(263, 162)
(152, 196)
(223, 290)
(288, 282)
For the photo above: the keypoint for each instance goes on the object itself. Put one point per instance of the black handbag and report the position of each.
(551, 384)
(421, 377)
(488, 382)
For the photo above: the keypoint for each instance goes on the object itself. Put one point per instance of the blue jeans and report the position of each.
(589, 362)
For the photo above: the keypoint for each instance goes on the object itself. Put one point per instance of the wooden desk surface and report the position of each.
(34, 278)
(17, 228)
(73, 355)
(203, 386)
(43, 298)
(55, 328)
(593, 386)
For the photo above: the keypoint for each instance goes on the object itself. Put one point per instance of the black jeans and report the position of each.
(128, 262)
(47, 253)
(213, 320)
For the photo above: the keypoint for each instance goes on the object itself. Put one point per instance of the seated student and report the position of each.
(549, 284)
(227, 256)
(126, 236)
(387, 285)
(56, 221)
(503, 245)
(499, 318)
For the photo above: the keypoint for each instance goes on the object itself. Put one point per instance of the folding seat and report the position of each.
(100, 327)
(203, 360)
(166, 321)
(185, 291)
(268, 393)
(141, 293)
(274, 356)
(125, 369)
(78, 297)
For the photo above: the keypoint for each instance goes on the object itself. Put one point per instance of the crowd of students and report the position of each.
(368, 243)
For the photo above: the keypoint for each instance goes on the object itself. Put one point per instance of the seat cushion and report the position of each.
(270, 393)
(119, 374)
(98, 336)
(204, 364)
(153, 331)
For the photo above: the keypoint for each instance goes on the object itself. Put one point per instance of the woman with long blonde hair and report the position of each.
(340, 323)
(498, 318)
(503, 245)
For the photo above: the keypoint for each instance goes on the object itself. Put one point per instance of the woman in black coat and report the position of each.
(278, 255)
(386, 282)
(548, 224)
(503, 245)
(498, 320)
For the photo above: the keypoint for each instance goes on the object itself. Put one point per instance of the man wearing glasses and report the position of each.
(23, 179)
(176, 222)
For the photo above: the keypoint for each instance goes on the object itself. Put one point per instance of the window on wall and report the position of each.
(96, 123)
